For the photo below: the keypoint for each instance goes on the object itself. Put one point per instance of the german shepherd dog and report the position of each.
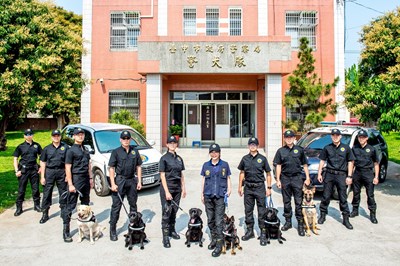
(231, 240)
(195, 228)
(309, 210)
(136, 234)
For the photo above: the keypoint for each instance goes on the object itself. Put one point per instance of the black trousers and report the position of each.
(292, 186)
(363, 178)
(81, 183)
(339, 181)
(126, 187)
(169, 209)
(251, 196)
(215, 210)
(54, 177)
(32, 176)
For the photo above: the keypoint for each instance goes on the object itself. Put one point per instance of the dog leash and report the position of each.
(65, 195)
(176, 204)
(270, 203)
(226, 198)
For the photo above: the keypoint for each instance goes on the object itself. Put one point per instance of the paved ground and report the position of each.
(24, 241)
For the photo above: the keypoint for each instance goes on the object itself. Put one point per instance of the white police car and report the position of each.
(101, 139)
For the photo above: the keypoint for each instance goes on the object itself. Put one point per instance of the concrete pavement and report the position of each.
(24, 241)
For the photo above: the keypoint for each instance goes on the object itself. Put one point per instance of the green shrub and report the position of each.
(124, 117)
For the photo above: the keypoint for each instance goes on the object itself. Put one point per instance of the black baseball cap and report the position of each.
(214, 147)
(28, 132)
(362, 133)
(172, 139)
(56, 132)
(288, 133)
(78, 130)
(253, 140)
(336, 131)
(125, 134)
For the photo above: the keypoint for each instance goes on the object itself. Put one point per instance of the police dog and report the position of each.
(195, 227)
(136, 234)
(87, 224)
(272, 225)
(231, 239)
(309, 210)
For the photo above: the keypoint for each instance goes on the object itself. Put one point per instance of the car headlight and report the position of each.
(313, 167)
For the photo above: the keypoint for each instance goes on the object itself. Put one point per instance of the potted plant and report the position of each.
(175, 130)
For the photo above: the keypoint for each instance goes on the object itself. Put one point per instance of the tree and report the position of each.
(40, 53)
(375, 92)
(305, 92)
(125, 117)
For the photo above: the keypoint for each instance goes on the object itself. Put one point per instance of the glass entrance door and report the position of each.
(207, 122)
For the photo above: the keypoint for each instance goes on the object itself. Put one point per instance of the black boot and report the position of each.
(36, 207)
(263, 237)
(173, 233)
(322, 218)
(354, 212)
(346, 222)
(113, 232)
(372, 217)
(45, 216)
(166, 242)
(19, 210)
(218, 248)
(287, 225)
(300, 228)
(67, 237)
(249, 234)
(213, 242)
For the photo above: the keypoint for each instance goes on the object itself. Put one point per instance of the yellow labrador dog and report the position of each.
(87, 224)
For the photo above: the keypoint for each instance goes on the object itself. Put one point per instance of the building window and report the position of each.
(125, 29)
(128, 100)
(301, 24)
(235, 22)
(212, 21)
(189, 21)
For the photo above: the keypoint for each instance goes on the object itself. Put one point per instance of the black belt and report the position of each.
(253, 185)
(290, 175)
(336, 172)
(125, 177)
(364, 169)
(55, 168)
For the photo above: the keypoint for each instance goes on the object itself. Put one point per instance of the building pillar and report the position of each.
(262, 17)
(86, 60)
(153, 109)
(162, 17)
(273, 114)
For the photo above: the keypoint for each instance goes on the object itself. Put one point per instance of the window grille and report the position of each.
(189, 21)
(301, 24)
(128, 100)
(125, 29)
(212, 21)
(235, 22)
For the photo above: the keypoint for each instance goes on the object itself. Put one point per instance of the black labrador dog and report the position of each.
(272, 225)
(195, 227)
(136, 234)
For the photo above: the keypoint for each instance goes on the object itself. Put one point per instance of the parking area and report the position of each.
(24, 241)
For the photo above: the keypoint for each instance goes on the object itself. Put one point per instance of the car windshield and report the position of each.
(108, 140)
(318, 140)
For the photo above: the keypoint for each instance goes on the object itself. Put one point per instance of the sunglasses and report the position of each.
(126, 138)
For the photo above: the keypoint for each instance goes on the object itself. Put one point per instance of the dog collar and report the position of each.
(194, 225)
(271, 222)
(227, 234)
(93, 219)
(309, 206)
(136, 228)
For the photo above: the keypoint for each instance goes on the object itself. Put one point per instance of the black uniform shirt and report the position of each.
(365, 157)
(29, 153)
(291, 159)
(172, 164)
(79, 157)
(125, 163)
(54, 157)
(254, 167)
(337, 158)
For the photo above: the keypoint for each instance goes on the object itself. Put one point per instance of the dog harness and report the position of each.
(93, 219)
(194, 225)
(267, 222)
(309, 206)
(136, 228)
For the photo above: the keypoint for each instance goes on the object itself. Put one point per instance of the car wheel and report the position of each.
(382, 172)
(100, 184)
(335, 194)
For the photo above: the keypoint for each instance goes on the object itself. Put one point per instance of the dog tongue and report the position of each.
(192, 221)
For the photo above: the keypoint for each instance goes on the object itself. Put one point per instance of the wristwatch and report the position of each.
(349, 176)
(269, 187)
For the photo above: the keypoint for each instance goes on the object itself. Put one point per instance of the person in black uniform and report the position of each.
(216, 183)
(365, 174)
(126, 178)
(339, 168)
(252, 185)
(172, 188)
(27, 169)
(289, 161)
(52, 163)
(79, 177)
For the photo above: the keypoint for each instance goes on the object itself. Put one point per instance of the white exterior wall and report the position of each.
(86, 59)
(153, 109)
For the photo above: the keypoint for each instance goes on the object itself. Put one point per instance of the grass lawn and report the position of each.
(8, 180)
(393, 142)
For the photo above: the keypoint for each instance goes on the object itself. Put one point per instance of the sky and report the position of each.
(358, 14)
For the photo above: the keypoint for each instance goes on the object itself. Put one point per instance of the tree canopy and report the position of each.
(373, 89)
(305, 92)
(40, 61)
